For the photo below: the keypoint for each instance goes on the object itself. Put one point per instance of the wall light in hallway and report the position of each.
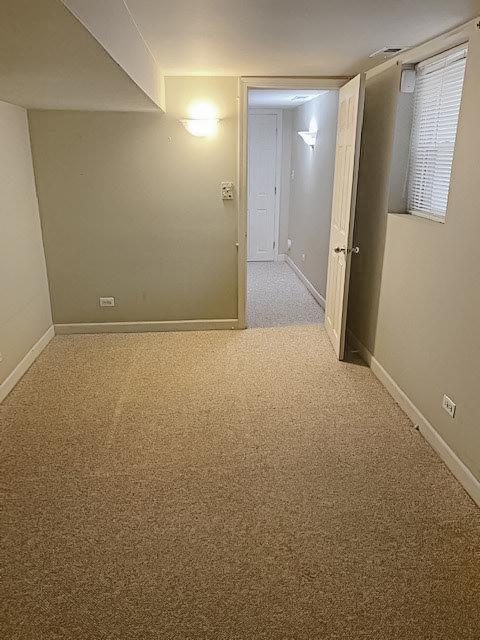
(309, 137)
(203, 120)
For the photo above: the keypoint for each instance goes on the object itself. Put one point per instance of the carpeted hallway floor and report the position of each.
(276, 296)
(225, 486)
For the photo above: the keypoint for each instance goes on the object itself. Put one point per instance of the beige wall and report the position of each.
(415, 288)
(131, 208)
(312, 186)
(25, 304)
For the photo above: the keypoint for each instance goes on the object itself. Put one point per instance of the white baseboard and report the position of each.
(278, 257)
(450, 458)
(142, 327)
(25, 364)
(318, 296)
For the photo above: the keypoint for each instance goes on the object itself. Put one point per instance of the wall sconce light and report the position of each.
(309, 137)
(201, 127)
(202, 121)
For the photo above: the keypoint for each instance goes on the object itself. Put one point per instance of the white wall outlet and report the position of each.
(107, 302)
(227, 190)
(292, 174)
(289, 244)
(302, 257)
(449, 406)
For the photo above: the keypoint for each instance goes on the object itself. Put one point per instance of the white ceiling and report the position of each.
(281, 37)
(281, 98)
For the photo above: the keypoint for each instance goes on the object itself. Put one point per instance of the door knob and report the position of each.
(347, 251)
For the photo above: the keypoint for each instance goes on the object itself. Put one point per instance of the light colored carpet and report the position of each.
(277, 297)
(225, 486)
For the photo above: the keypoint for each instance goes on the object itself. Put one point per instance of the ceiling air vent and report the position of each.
(390, 50)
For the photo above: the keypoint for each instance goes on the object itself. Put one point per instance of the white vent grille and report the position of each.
(389, 50)
(437, 98)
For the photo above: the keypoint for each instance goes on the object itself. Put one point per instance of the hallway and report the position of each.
(277, 297)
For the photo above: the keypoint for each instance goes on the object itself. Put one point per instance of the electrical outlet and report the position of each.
(107, 302)
(292, 174)
(449, 406)
(303, 257)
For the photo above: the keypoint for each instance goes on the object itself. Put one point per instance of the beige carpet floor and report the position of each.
(225, 486)
(276, 296)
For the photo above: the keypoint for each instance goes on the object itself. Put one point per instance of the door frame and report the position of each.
(278, 169)
(246, 83)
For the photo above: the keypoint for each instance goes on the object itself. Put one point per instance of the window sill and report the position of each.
(429, 216)
(418, 214)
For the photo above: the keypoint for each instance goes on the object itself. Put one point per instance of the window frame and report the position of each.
(435, 217)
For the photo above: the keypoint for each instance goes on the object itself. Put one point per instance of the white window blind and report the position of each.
(437, 97)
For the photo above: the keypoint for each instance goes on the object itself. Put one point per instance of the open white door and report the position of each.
(350, 116)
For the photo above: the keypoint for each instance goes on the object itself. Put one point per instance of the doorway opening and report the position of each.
(290, 171)
(259, 212)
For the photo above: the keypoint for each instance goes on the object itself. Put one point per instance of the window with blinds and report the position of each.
(437, 97)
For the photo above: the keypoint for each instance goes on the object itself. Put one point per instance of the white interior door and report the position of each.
(262, 160)
(350, 116)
